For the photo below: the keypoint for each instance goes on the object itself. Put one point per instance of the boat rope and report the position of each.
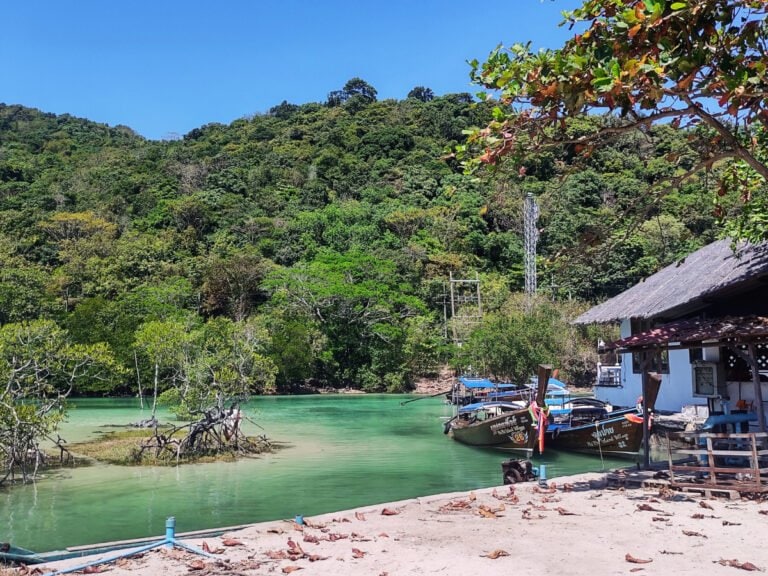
(599, 445)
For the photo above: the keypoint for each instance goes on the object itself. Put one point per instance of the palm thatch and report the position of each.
(715, 271)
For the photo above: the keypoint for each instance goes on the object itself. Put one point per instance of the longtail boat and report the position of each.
(501, 424)
(596, 431)
(591, 426)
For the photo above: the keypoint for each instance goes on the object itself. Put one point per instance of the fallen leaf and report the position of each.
(357, 553)
(275, 531)
(276, 554)
(383, 535)
(94, 569)
(196, 565)
(660, 519)
(636, 569)
(485, 513)
(360, 516)
(670, 552)
(692, 533)
(231, 542)
(355, 537)
(295, 547)
(389, 512)
(629, 558)
(311, 539)
(551, 490)
(315, 557)
(762, 511)
(697, 516)
(647, 508)
(564, 512)
(289, 569)
(472, 497)
(703, 504)
(736, 564)
(333, 537)
(496, 554)
(726, 523)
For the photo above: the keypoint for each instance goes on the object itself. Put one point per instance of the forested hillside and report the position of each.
(314, 243)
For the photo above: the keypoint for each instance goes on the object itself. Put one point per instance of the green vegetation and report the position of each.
(312, 245)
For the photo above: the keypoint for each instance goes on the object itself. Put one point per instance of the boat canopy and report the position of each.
(483, 405)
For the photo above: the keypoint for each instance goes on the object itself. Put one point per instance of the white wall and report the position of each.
(676, 387)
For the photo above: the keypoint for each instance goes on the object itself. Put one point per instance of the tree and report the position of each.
(354, 89)
(359, 87)
(207, 370)
(421, 93)
(700, 65)
(39, 368)
(359, 304)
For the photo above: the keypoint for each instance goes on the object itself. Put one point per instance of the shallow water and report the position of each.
(343, 451)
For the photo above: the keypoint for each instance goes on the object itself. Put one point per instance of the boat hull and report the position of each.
(509, 431)
(617, 436)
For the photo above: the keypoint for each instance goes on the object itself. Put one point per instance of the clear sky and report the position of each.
(164, 67)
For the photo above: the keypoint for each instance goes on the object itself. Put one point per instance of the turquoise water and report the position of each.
(343, 451)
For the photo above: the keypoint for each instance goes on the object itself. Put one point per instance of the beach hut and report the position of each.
(701, 324)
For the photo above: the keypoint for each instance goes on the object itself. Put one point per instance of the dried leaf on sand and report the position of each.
(629, 558)
(498, 553)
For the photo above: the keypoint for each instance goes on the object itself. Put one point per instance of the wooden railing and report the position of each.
(723, 459)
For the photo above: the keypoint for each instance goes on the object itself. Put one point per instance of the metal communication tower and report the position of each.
(531, 237)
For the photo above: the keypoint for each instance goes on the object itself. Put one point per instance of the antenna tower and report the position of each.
(531, 237)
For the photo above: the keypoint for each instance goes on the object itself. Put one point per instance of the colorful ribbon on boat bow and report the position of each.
(540, 415)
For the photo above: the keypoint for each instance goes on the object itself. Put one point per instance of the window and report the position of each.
(659, 362)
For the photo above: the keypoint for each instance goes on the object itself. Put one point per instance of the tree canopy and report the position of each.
(698, 65)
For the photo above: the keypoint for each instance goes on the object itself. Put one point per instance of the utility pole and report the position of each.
(466, 307)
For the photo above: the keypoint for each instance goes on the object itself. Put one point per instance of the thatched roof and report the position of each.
(688, 285)
(694, 333)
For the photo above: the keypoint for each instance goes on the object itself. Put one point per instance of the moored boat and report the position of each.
(510, 425)
(594, 430)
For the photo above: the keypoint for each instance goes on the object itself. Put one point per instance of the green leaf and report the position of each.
(678, 5)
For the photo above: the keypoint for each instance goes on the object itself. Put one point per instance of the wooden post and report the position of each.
(541, 390)
(758, 387)
(646, 414)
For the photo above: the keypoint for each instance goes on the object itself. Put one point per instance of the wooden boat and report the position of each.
(590, 428)
(502, 424)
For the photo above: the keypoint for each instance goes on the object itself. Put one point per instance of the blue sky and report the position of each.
(164, 67)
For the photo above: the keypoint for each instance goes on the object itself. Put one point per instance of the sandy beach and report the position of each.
(572, 526)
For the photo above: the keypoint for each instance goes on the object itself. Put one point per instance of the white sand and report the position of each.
(577, 527)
